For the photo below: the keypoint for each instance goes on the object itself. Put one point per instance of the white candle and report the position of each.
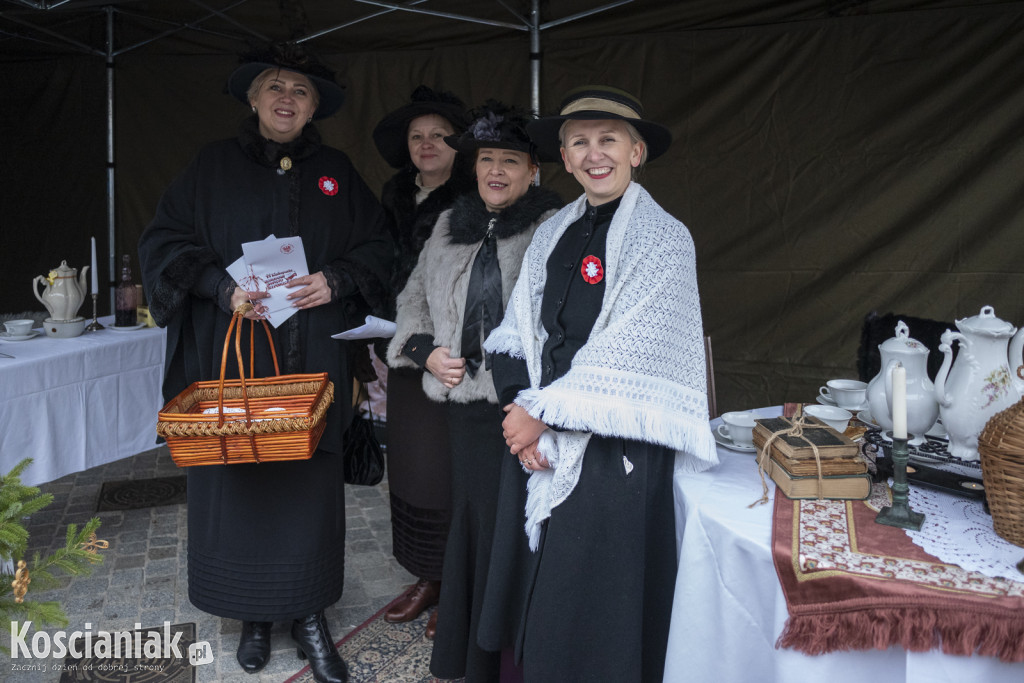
(899, 402)
(95, 278)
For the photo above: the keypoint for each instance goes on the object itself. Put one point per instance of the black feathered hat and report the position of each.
(599, 102)
(391, 133)
(289, 57)
(496, 125)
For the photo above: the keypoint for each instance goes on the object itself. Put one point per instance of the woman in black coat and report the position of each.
(267, 541)
(430, 177)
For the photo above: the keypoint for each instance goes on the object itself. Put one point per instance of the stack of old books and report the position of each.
(790, 460)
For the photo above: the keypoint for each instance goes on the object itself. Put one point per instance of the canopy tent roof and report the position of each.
(35, 27)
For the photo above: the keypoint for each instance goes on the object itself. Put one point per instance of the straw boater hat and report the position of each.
(495, 125)
(289, 58)
(599, 102)
(391, 133)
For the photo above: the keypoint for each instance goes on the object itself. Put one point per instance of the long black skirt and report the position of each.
(477, 448)
(266, 541)
(596, 597)
(419, 475)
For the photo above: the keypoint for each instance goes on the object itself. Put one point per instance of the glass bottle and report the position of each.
(125, 304)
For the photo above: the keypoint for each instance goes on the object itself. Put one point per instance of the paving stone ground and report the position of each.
(143, 578)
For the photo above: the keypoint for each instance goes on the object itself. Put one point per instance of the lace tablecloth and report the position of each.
(959, 531)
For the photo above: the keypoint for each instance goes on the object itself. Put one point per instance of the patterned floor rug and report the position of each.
(137, 669)
(133, 494)
(379, 652)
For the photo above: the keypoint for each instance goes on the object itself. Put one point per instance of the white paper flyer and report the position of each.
(373, 328)
(267, 266)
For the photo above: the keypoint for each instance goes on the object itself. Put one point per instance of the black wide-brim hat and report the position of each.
(331, 94)
(598, 103)
(391, 134)
(495, 126)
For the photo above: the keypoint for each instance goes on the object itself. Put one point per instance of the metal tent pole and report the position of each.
(111, 220)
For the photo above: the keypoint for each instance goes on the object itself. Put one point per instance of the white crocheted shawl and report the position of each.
(640, 375)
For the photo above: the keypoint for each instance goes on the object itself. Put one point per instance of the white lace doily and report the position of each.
(959, 531)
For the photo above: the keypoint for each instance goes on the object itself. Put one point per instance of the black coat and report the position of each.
(411, 225)
(265, 541)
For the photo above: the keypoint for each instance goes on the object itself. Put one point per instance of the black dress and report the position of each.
(593, 603)
(266, 541)
(418, 452)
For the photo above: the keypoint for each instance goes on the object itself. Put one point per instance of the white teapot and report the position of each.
(64, 294)
(983, 381)
(922, 409)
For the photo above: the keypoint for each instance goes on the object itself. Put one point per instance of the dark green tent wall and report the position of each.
(826, 166)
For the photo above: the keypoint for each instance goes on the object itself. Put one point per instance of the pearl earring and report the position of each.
(254, 109)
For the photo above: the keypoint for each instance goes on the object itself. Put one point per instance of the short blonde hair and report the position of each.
(264, 76)
(634, 136)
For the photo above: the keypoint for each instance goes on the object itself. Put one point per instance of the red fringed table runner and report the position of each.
(852, 584)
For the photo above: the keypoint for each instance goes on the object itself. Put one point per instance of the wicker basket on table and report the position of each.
(224, 422)
(1001, 445)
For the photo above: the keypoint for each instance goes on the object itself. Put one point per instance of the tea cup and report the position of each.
(845, 393)
(19, 328)
(835, 417)
(739, 427)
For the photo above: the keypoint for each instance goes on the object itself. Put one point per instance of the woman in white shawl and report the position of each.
(599, 363)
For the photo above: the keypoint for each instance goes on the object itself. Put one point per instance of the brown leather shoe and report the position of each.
(431, 630)
(421, 596)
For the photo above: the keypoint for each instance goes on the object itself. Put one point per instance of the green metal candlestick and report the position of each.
(899, 513)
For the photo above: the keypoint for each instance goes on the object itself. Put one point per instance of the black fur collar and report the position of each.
(469, 218)
(267, 152)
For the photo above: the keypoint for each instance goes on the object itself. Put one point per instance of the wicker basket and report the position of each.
(1001, 445)
(250, 420)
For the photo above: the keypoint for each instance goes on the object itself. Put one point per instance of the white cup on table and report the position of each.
(835, 417)
(19, 328)
(738, 426)
(848, 394)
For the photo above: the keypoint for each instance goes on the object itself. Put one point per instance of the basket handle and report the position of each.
(236, 318)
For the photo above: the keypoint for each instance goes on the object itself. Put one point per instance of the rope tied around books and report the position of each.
(796, 430)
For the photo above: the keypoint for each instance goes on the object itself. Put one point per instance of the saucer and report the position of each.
(6, 336)
(728, 443)
(865, 417)
(936, 430)
(127, 328)
(829, 402)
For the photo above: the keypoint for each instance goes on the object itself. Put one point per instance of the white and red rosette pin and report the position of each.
(328, 185)
(592, 270)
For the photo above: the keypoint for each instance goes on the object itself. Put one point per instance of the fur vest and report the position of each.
(434, 299)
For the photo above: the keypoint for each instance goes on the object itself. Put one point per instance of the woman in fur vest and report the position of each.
(600, 366)
(430, 177)
(454, 297)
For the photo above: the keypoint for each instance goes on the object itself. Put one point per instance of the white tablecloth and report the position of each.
(729, 609)
(72, 404)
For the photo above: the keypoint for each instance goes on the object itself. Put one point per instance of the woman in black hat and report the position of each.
(430, 177)
(454, 297)
(266, 542)
(600, 366)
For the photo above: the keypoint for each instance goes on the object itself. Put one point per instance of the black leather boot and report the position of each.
(254, 645)
(315, 643)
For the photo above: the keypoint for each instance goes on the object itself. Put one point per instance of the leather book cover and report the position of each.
(839, 487)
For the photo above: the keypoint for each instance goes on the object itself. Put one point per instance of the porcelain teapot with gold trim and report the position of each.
(64, 292)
